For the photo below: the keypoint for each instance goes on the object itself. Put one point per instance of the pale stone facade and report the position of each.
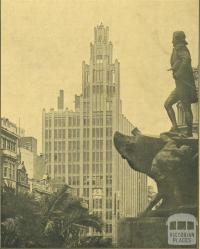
(78, 145)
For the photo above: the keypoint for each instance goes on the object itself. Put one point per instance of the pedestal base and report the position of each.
(144, 232)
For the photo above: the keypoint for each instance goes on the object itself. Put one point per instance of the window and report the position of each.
(4, 143)
(49, 133)
(63, 145)
(86, 169)
(74, 145)
(78, 133)
(99, 75)
(109, 180)
(59, 122)
(69, 133)
(70, 121)
(109, 215)
(69, 169)
(108, 144)
(101, 132)
(109, 203)
(55, 133)
(107, 76)
(46, 146)
(109, 155)
(85, 156)
(59, 157)
(113, 76)
(109, 131)
(55, 122)
(46, 134)
(93, 132)
(63, 157)
(78, 157)
(59, 169)
(74, 156)
(69, 157)
(78, 145)
(93, 156)
(78, 121)
(70, 145)
(108, 192)
(59, 146)
(99, 59)
(85, 180)
(55, 146)
(5, 171)
(101, 168)
(94, 75)
(84, 132)
(108, 228)
(86, 192)
(97, 203)
(74, 121)
(46, 122)
(63, 122)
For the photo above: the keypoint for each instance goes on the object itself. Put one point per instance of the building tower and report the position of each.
(79, 148)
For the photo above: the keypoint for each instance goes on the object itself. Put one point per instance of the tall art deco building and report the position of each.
(79, 148)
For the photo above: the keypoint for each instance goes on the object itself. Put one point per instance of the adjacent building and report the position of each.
(41, 187)
(9, 152)
(19, 159)
(29, 143)
(35, 164)
(78, 145)
(28, 158)
(39, 167)
(22, 182)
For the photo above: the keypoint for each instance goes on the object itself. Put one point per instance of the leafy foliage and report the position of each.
(56, 220)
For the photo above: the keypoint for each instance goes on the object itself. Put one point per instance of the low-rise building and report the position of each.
(39, 169)
(22, 184)
(9, 152)
(41, 187)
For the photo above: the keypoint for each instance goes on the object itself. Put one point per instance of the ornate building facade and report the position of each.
(78, 145)
(13, 172)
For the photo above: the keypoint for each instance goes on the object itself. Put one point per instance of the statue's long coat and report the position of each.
(183, 74)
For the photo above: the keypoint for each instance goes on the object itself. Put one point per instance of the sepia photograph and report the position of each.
(99, 124)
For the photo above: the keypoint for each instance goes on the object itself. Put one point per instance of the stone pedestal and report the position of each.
(144, 232)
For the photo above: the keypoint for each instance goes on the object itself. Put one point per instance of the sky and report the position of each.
(44, 44)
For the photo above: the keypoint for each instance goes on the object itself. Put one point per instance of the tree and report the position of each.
(66, 217)
(54, 221)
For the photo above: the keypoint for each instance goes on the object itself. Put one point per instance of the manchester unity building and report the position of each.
(78, 145)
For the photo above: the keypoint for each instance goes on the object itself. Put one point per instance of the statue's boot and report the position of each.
(174, 129)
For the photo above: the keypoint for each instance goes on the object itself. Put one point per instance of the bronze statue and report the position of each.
(172, 161)
(185, 90)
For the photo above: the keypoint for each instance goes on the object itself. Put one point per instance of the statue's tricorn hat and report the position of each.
(179, 37)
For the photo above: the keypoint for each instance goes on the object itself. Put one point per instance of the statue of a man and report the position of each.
(185, 90)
